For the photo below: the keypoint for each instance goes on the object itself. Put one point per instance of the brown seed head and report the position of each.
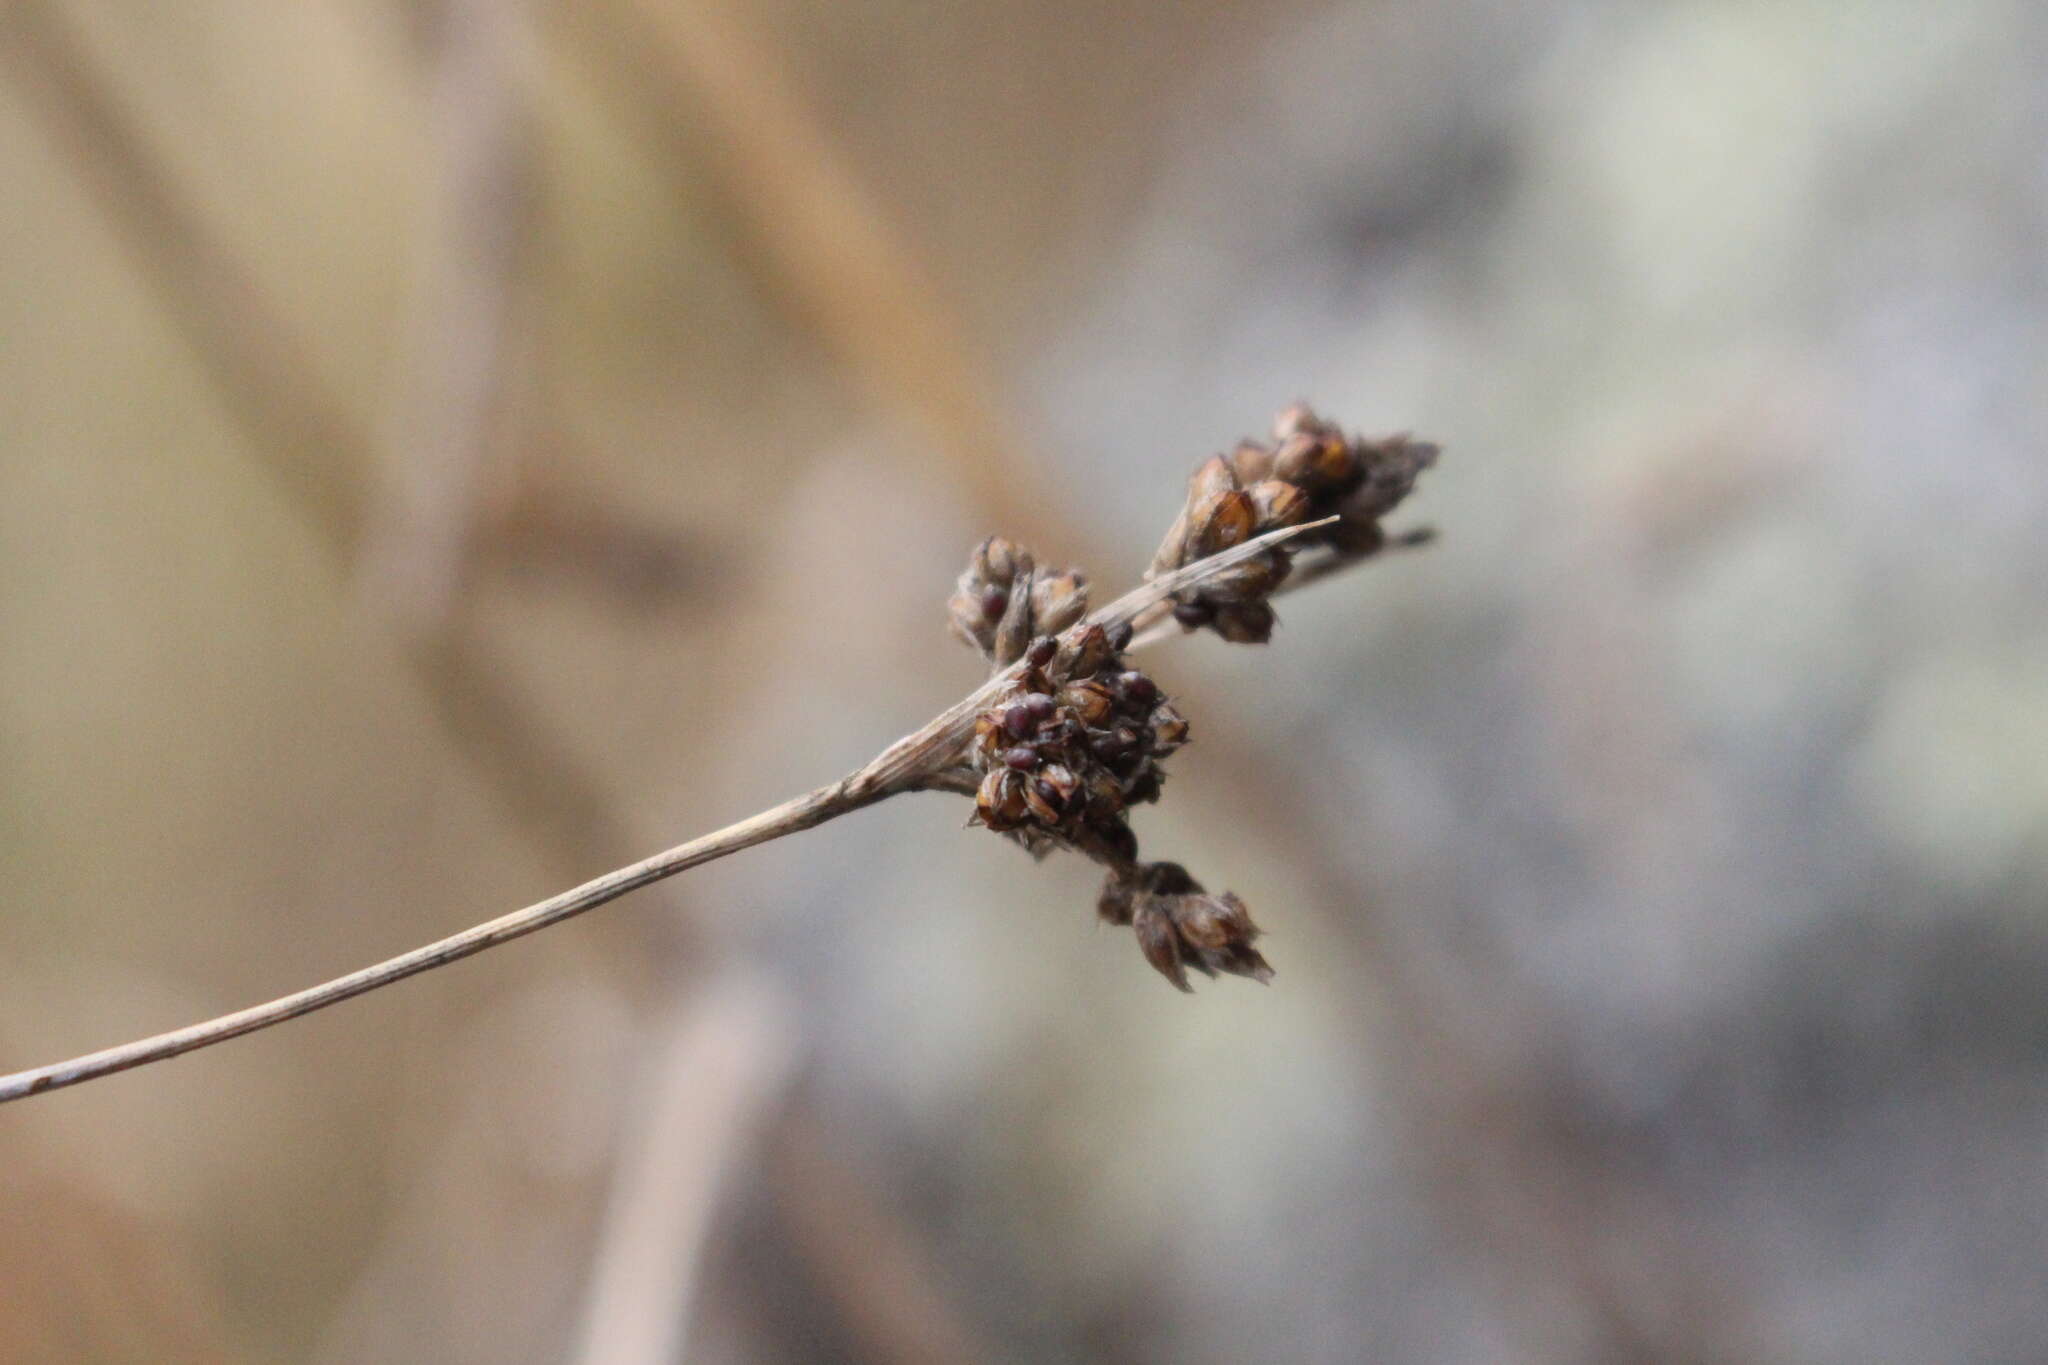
(1314, 472)
(1003, 601)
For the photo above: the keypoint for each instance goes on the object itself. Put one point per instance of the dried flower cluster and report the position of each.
(1055, 748)
(1004, 602)
(1310, 472)
(1076, 736)
(1072, 744)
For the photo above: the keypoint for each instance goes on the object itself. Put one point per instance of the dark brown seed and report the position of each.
(1023, 758)
(1039, 705)
(1138, 688)
(1041, 651)
(1116, 744)
(1018, 722)
(1038, 801)
(1193, 615)
(1120, 636)
(1059, 782)
(992, 603)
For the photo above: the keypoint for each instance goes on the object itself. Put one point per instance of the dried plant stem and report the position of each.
(790, 817)
(912, 763)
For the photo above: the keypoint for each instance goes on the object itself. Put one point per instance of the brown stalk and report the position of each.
(906, 765)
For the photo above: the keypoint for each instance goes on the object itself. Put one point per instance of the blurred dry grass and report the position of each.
(450, 448)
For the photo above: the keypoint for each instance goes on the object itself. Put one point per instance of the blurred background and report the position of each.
(451, 448)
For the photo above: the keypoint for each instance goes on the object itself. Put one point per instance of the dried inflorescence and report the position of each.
(1075, 737)
(1071, 745)
(1004, 601)
(1311, 471)
(1066, 739)
(1179, 925)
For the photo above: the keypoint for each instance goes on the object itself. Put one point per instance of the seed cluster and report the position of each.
(1076, 737)
(1179, 925)
(1072, 745)
(1004, 601)
(1311, 471)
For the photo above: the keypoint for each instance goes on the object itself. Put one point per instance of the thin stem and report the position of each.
(906, 765)
(790, 817)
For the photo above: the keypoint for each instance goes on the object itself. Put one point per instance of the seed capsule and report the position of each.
(1278, 504)
(1000, 801)
(1293, 418)
(1214, 476)
(1160, 944)
(1319, 462)
(1202, 923)
(1083, 655)
(1251, 462)
(1219, 522)
(1059, 783)
(1090, 701)
(1116, 744)
(1038, 800)
(1059, 601)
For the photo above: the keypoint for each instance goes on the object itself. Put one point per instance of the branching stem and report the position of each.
(913, 762)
